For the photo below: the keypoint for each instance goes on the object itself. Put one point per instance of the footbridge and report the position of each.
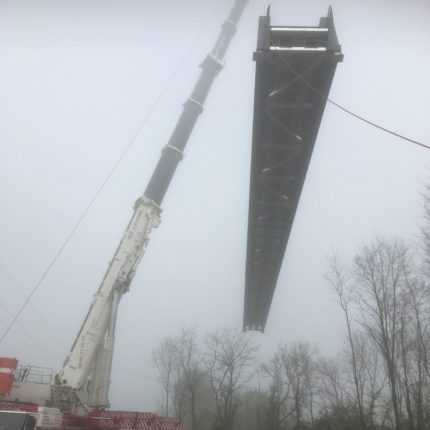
(294, 71)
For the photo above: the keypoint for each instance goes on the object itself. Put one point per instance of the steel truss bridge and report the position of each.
(294, 71)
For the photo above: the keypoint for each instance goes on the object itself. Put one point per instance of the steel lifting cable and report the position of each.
(361, 118)
(113, 169)
(42, 348)
(14, 283)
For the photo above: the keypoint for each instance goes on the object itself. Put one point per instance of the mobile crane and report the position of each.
(81, 387)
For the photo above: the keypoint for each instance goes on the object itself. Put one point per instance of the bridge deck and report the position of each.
(294, 71)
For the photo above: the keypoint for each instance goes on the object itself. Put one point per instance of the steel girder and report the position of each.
(294, 72)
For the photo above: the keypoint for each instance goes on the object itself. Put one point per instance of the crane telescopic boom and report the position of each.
(86, 371)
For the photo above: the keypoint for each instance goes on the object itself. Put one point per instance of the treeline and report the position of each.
(205, 380)
(379, 380)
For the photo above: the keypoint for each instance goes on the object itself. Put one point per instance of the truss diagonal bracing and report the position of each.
(294, 72)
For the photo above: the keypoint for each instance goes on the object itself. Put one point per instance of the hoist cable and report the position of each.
(361, 118)
(15, 284)
(43, 349)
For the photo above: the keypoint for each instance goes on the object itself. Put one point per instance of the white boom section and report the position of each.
(87, 367)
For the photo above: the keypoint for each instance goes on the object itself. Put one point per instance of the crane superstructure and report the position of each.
(83, 383)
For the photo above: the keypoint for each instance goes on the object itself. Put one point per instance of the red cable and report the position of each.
(348, 111)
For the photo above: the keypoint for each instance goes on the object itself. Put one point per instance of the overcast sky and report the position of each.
(77, 78)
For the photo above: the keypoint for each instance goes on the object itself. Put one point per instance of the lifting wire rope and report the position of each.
(112, 171)
(16, 286)
(41, 347)
(349, 112)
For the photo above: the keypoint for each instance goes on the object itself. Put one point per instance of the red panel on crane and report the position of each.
(25, 407)
(8, 363)
(6, 381)
(7, 366)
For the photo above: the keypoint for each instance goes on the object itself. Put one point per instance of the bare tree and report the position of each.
(339, 278)
(179, 397)
(331, 384)
(299, 367)
(165, 359)
(252, 410)
(425, 231)
(375, 380)
(191, 376)
(413, 340)
(279, 392)
(229, 355)
(380, 280)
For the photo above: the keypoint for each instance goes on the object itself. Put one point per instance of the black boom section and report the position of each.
(173, 152)
(294, 72)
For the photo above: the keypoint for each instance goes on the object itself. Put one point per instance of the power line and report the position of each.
(112, 171)
(361, 118)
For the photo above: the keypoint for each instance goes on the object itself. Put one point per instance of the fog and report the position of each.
(78, 79)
